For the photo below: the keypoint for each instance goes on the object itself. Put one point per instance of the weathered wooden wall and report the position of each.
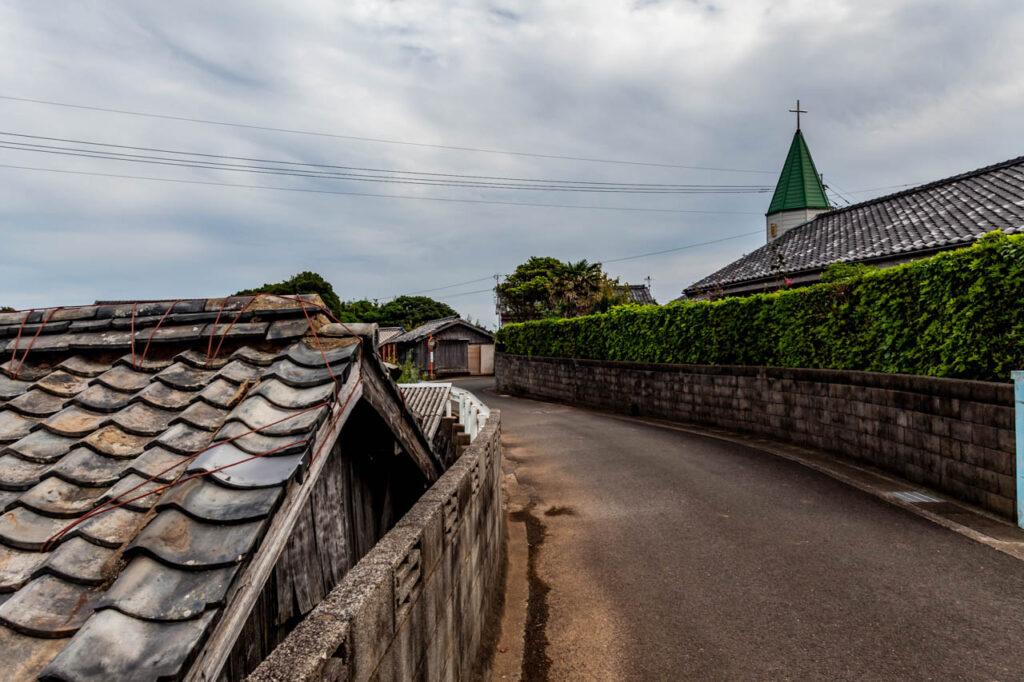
(416, 606)
(364, 488)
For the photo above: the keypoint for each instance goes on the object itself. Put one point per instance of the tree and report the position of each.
(404, 311)
(577, 288)
(547, 287)
(411, 311)
(304, 283)
(526, 293)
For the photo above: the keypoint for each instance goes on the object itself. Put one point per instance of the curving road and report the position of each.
(663, 555)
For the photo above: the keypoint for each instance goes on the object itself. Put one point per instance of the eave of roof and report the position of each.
(433, 327)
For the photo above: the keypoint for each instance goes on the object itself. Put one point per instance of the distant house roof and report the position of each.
(433, 327)
(429, 402)
(940, 215)
(146, 449)
(799, 184)
(638, 293)
(385, 334)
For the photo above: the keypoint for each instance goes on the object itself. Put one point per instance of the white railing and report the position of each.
(473, 414)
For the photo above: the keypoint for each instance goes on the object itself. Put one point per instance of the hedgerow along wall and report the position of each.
(957, 314)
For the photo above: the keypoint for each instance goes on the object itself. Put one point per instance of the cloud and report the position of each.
(897, 91)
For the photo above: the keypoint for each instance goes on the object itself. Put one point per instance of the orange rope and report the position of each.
(211, 353)
(31, 343)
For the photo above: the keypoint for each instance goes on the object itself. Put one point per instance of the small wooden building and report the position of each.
(461, 347)
(385, 348)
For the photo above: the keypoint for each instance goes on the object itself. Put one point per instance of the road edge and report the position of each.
(866, 479)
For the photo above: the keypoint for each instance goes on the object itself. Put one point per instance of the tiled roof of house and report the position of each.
(136, 482)
(429, 402)
(944, 214)
(385, 334)
(638, 293)
(433, 327)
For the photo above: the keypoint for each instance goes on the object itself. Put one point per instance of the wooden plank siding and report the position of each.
(363, 490)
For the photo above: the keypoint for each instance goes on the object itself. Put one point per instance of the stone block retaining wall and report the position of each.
(951, 435)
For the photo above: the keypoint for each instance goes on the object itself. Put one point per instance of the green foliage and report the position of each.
(838, 272)
(957, 314)
(547, 288)
(304, 283)
(410, 311)
(410, 372)
(6, 309)
(404, 311)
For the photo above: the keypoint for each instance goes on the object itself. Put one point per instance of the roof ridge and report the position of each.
(848, 233)
(920, 188)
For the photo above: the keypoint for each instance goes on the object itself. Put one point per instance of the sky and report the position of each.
(588, 91)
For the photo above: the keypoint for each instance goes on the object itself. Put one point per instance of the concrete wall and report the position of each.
(487, 358)
(951, 435)
(416, 606)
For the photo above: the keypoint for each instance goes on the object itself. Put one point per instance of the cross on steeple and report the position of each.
(797, 111)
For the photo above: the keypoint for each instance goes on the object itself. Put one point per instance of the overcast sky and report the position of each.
(898, 92)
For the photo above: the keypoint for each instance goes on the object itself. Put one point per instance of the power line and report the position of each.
(449, 286)
(360, 177)
(876, 189)
(609, 260)
(292, 131)
(212, 183)
(362, 168)
(680, 248)
(467, 293)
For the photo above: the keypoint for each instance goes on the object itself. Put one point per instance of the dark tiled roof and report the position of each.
(940, 215)
(638, 293)
(131, 593)
(433, 327)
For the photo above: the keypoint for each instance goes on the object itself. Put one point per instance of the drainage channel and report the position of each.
(536, 664)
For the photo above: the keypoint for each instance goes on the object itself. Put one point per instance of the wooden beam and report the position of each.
(247, 588)
(385, 399)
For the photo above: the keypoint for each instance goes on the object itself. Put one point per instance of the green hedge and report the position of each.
(957, 314)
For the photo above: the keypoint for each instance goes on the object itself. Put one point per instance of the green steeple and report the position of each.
(799, 184)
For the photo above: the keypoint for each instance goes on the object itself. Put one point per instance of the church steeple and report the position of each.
(799, 196)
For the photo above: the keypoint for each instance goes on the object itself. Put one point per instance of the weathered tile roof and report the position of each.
(940, 215)
(385, 334)
(433, 327)
(429, 402)
(638, 293)
(143, 452)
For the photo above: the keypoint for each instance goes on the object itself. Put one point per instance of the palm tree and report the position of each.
(576, 287)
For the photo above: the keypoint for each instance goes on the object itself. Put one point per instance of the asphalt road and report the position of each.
(672, 556)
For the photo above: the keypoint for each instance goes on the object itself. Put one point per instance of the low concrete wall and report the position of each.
(948, 434)
(415, 606)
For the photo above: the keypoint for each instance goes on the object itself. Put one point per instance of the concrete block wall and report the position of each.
(414, 608)
(951, 435)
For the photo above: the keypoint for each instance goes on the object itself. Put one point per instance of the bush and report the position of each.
(956, 314)
(410, 372)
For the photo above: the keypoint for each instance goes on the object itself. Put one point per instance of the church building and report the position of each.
(805, 234)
